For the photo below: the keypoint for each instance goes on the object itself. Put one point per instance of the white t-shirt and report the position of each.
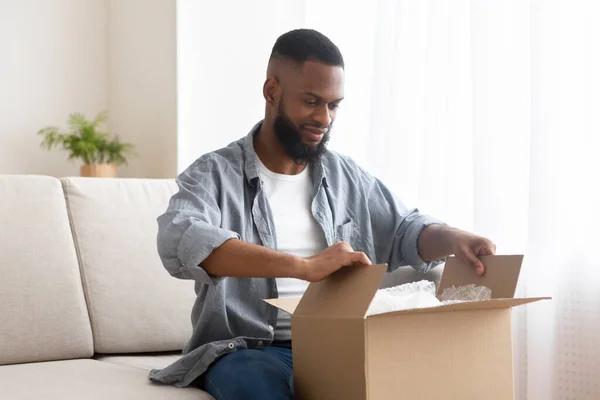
(297, 232)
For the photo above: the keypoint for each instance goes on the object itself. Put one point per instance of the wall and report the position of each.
(61, 56)
(52, 62)
(222, 61)
(142, 83)
(221, 68)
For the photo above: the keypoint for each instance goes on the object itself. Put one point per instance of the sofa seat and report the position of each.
(86, 379)
(143, 361)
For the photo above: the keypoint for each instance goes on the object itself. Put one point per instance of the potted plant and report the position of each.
(84, 141)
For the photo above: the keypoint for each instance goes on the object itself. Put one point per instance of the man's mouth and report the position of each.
(314, 134)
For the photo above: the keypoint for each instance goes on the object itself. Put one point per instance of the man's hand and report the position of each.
(236, 258)
(467, 247)
(437, 241)
(321, 265)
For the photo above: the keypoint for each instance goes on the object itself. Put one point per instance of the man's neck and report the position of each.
(271, 153)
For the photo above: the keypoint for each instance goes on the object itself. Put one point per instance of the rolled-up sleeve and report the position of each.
(396, 229)
(190, 230)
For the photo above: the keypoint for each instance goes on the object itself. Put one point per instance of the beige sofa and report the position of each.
(86, 308)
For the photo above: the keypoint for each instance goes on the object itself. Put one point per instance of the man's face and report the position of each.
(307, 108)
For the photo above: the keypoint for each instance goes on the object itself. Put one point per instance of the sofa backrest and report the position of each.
(134, 304)
(43, 315)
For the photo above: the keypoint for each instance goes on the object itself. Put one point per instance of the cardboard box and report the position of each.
(457, 351)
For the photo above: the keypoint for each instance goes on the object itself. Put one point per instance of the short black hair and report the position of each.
(302, 45)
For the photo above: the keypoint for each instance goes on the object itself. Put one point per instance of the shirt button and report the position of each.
(260, 343)
(271, 328)
(231, 345)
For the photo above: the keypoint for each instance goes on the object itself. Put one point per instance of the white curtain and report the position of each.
(482, 112)
(486, 113)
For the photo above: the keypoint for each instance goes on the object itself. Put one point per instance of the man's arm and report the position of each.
(192, 244)
(396, 229)
(417, 239)
(236, 258)
(438, 241)
(434, 242)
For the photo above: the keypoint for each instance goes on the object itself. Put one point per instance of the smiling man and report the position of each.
(274, 211)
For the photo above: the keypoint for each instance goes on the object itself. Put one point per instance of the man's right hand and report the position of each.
(321, 265)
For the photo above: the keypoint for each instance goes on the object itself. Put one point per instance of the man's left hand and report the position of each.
(467, 247)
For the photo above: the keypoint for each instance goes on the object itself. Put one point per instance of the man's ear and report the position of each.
(271, 90)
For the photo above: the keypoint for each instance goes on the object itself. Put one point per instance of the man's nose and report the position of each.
(323, 116)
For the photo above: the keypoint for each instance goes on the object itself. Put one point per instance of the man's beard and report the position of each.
(291, 140)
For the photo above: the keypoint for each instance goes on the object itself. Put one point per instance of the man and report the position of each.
(274, 211)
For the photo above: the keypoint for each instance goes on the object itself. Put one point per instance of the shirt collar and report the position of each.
(251, 160)
(250, 156)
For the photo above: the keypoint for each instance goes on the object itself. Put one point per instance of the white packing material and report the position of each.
(419, 294)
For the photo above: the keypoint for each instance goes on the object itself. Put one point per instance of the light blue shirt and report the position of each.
(220, 197)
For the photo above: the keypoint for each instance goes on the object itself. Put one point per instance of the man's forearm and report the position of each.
(236, 258)
(435, 242)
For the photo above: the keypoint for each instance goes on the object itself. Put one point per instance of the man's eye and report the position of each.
(334, 106)
(310, 102)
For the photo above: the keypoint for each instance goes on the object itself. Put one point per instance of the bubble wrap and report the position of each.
(466, 293)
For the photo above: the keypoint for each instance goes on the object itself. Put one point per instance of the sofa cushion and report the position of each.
(135, 305)
(86, 379)
(43, 313)
(143, 361)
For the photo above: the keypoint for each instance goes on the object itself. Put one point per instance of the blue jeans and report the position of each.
(252, 374)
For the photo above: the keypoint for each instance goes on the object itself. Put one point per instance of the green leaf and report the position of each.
(84, 141)
(76, 122)
(100, 118)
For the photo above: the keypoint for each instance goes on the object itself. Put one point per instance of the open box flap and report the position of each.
(501, 274)
(467, 306)
(288, 304)
(347, 292)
